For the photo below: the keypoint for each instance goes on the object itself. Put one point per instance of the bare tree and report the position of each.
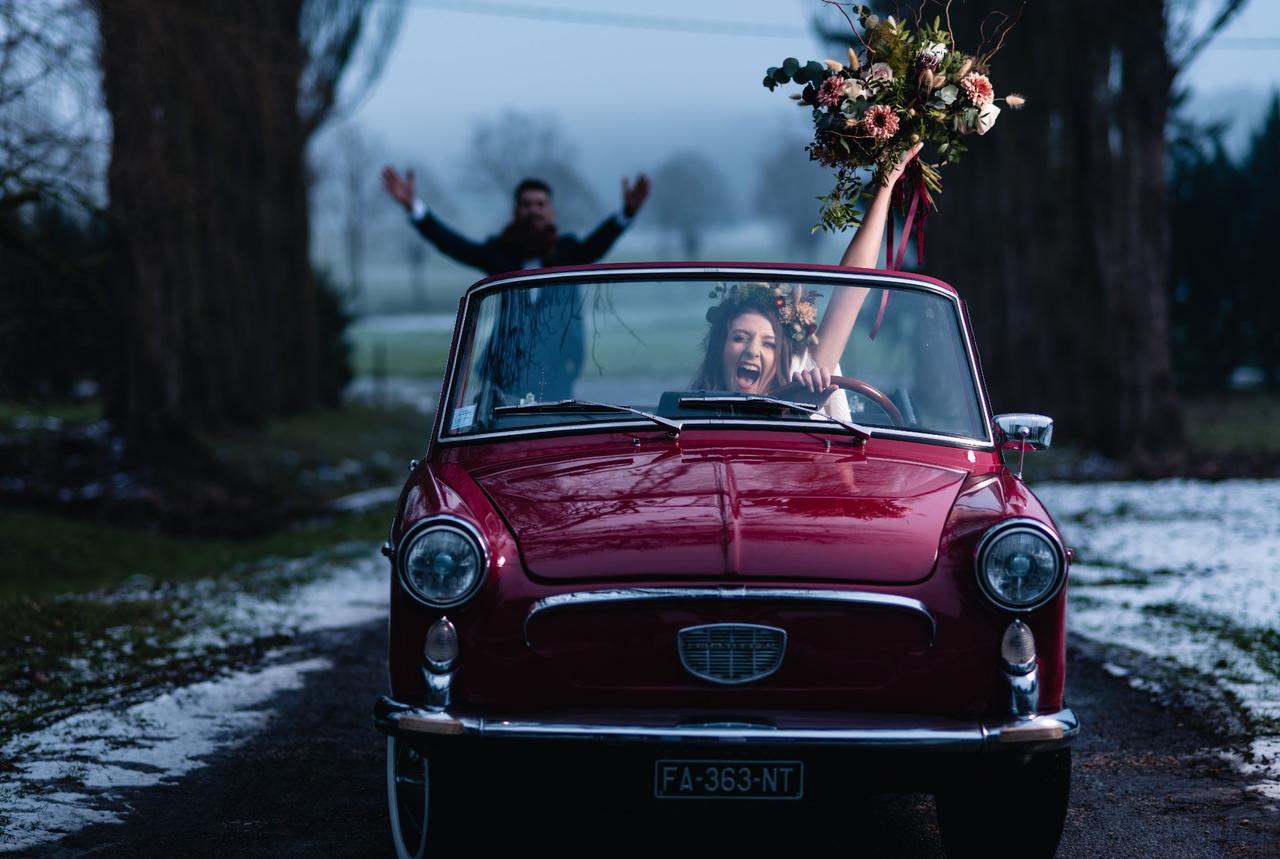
(52, 140)
(1055, 229)
(690, 196)
(517, 145)
(360, 198)
(211, 106)
(50, 128)
(787, 194)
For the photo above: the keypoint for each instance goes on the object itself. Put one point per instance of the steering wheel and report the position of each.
(793, 390)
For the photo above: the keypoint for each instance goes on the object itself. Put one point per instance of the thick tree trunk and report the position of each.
(216, 302)
(1054, 228)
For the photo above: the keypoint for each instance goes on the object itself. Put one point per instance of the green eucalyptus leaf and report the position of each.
(770, 83)
(781, 76)
(790, 65)
(801, 75)
(947, 94)
(817, 71)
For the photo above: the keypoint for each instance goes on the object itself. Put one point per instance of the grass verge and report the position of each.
(128, 613)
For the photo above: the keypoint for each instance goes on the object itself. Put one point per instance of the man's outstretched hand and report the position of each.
(399, 187)
(633, 196)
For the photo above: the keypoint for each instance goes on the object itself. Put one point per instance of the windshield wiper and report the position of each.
(712, 401)
(566, 406)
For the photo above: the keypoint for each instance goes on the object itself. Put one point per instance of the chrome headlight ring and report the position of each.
(445, 525)
(1019, 528)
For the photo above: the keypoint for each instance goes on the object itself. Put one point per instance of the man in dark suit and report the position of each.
(536, 348)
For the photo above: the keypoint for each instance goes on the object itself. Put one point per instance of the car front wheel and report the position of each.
(409, 800)
(1009, 807)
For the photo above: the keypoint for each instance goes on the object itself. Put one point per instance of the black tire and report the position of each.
(1011, 807)
(415, 813)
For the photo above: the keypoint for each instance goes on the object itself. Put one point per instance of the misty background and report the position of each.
(590, 93)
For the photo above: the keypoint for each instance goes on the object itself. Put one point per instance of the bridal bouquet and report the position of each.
(905, 86)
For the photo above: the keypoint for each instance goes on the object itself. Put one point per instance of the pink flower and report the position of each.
(978, 89)
(880, 122)
(880, 72)
(831, 93)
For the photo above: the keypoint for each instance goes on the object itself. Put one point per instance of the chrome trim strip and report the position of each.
(972, 736)
(606, 275)
(1019, 523)
(746, 271)
(439, 694)
(1024, 692)
(1046, 730)
(446, 520)
(810, 426)
(623, 595)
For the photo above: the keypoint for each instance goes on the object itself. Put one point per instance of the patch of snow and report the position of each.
(358, 502)
(67, 770)
(1263, 764)
(140, 746)
(1187, 571)
(417, 393)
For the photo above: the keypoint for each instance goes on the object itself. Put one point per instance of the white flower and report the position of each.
(932, 55)
(854, 89)
(987, 118)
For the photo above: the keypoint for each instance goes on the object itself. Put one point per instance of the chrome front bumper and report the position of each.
(1035, 732)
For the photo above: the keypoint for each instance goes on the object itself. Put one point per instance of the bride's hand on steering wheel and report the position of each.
(816, 380)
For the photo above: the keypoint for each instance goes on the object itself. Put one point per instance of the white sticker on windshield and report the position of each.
(463, 418)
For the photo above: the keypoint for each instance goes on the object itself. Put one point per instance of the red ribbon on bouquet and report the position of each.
(919, 203)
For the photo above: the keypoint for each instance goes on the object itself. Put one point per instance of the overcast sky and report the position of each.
(627, 95)
(630, 93)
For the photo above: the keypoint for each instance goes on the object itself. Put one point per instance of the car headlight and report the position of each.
(443, 561)
(1020, 564)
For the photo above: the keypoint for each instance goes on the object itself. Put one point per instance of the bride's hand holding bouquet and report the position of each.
(900, 88)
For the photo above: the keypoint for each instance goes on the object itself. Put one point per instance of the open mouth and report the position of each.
(746, 377)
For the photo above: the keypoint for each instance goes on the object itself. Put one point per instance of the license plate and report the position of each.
(681, 779)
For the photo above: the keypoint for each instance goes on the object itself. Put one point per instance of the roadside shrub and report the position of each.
(53, 300)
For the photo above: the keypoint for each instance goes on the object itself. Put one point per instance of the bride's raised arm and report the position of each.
(863, 252)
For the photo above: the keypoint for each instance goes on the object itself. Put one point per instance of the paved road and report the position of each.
(1148, 782)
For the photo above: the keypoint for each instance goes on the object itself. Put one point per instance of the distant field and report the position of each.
(663, 338)
(1234, 422)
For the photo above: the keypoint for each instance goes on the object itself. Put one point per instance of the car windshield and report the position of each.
(686, 351)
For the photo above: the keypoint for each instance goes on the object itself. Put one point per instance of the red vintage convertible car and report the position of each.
(641, 562)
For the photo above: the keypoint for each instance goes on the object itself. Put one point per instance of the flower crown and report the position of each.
(796, 309)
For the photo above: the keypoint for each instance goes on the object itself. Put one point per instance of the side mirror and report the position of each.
(1023, 432)
(1017, 430)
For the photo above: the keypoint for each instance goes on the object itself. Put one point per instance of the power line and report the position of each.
(703, 25)
(612, 19)
(1245, 43)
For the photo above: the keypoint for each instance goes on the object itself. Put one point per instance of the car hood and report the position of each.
(749, 513)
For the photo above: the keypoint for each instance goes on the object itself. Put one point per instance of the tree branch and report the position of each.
(1228, 10)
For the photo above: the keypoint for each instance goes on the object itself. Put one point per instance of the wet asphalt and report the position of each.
(1148, 780)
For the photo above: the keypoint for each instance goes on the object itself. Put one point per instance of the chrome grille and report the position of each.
(731, 652)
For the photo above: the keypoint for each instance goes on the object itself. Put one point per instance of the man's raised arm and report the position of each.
(400, 188)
